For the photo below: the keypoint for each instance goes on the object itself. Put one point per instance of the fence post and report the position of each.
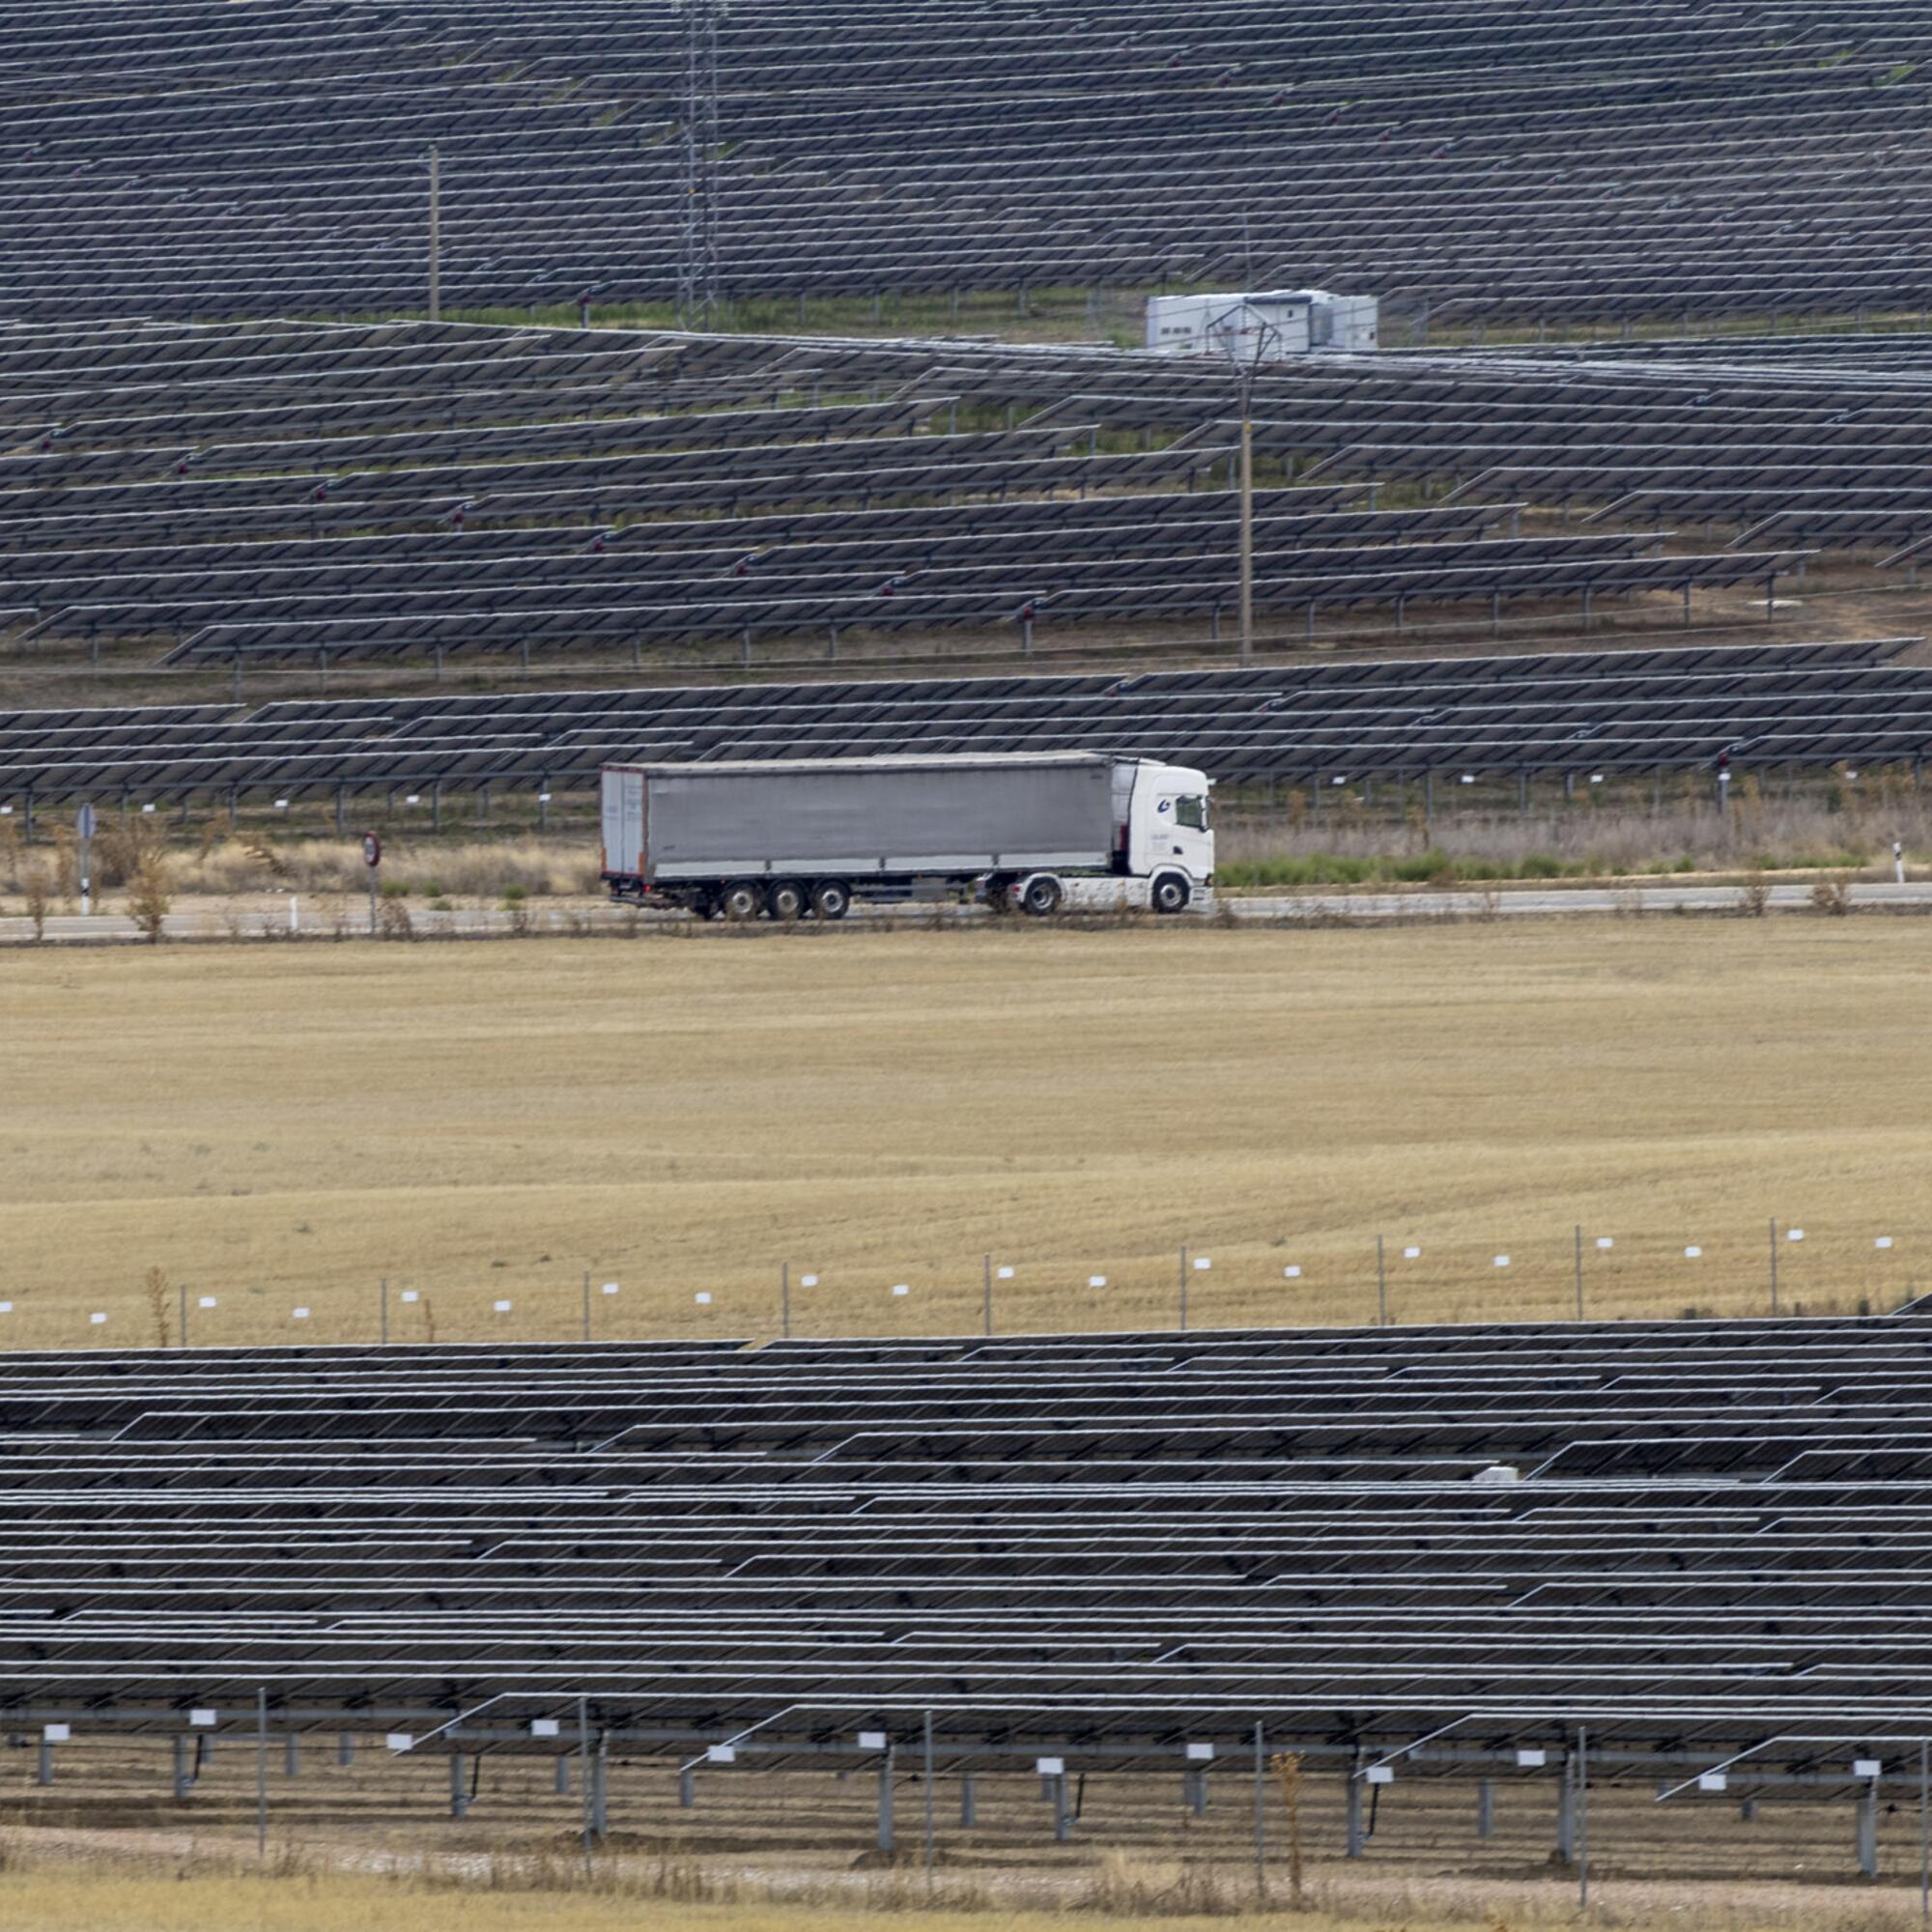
(261, 1771)
(1579, 1271)
(1583, 1818)
(1774, 1264)
(1924, 1829)
(181, 1341)
(784, 1299)
(385, 1308)
(586, 1304)
(927, 1768)
(986, 1265)
(583, 1771)
(1183, 1290)
(1382, 1287)
(1261, 1819)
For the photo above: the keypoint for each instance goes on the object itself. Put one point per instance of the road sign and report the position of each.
(372, 848)
(84, 821)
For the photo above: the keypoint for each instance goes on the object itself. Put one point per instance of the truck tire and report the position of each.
(741, 899)
(1168, 892)
(1042, 898)
(999, 895)
(785, 899)
(832, 898)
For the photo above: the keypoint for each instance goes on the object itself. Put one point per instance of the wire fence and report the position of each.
(1715, 1270)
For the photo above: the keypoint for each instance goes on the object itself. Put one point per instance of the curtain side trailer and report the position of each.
(787, 838)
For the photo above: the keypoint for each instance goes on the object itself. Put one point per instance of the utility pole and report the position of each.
(1248, 341)
(435, 235)
(1247, 518)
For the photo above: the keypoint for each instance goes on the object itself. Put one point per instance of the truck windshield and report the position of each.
(1192, 812)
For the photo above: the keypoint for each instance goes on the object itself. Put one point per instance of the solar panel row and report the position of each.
(1690, 1537)
(136, 443)
(1609, 157)
(1641, 710)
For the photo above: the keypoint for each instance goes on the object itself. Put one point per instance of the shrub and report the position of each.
(148, 899)
(38, 886)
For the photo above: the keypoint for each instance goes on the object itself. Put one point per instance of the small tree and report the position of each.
(147, 896)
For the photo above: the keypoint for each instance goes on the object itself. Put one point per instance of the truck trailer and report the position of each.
(793, 838)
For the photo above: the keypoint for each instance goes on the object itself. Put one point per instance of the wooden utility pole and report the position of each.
(1247, 522)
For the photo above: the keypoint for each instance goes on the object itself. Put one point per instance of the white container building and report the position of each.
(1270, 327)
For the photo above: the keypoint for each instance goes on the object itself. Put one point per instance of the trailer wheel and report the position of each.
(999, 895)
(786, 900)
(1042, 898)
(740, 900)
(832, 898)
(1168, 892)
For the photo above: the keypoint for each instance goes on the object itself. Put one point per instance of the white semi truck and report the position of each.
(786, 838)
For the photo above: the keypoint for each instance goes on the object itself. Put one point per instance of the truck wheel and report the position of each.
(1042, 898)
(999, 895)
(786, 900)
(1168, 892)
(832, 898)
(740, 900)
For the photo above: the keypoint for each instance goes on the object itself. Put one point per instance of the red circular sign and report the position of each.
(372, 849)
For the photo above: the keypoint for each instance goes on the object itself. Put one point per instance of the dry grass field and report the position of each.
(279, 1127)
(108, 1850)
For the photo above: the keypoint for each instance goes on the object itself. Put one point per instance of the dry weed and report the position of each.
(36, 888)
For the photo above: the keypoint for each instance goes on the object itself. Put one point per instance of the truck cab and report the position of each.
(1168, 821)
(1163, 849)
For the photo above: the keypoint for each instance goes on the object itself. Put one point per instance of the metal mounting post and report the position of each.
(262, 1773)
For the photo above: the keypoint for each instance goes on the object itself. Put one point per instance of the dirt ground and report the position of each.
(281, 1128)
(108, 1850)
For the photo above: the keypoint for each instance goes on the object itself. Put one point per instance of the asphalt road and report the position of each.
(1277, 908)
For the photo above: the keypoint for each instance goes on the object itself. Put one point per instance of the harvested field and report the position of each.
(280, 1127)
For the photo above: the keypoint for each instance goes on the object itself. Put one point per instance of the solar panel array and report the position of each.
(1489, 158)
(1805, 704)
(1691, 1536)
(312, 494)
